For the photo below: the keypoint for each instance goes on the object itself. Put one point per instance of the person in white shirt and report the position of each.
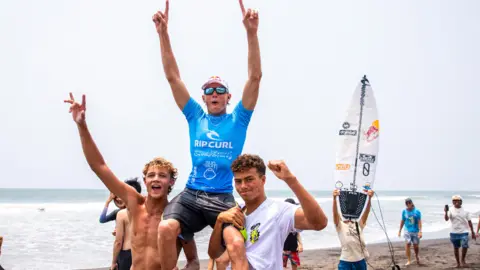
(265, 223)
(354, 252)
(460, 224)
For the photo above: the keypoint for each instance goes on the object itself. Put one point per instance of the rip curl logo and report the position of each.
(212, 135)
(254, 233)
(214, 141)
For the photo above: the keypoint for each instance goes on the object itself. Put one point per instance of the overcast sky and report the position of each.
(421, 57)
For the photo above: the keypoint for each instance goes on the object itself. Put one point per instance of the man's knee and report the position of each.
(169, 228)
(231, 234)
(233, 240)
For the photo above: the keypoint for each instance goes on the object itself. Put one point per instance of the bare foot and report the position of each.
(418, 261)
(459, 266)
(465, 265)
(193, 265)
(408, 263)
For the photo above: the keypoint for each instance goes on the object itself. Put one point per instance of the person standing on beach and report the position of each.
(122, 254)
(216, 138)
(159, 176)
(265, 223)
(1, 243)
(354, 251)
(412, 219)
(460, 224)
(292, 246)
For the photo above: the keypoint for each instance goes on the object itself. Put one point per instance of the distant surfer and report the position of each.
(267, 222)
(159, 176)
(216, 138)
(461, 225)
(354, 251)
(412, 220)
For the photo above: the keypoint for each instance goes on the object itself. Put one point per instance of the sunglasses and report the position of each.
(219, 90)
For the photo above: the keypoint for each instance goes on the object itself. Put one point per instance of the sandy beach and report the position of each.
(434, 254)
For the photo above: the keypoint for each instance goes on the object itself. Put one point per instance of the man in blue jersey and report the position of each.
(216, 139)
(412, 219)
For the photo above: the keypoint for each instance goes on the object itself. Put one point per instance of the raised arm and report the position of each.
(103, 216)
(310, 216)
(336, 215)
(95, 159)
(170, 67)
(252, 86)
(363, 219)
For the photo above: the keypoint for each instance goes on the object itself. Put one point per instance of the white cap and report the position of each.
(215, 79)
(457, 197)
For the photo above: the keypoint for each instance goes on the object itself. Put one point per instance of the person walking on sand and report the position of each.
(412, 220)
(461, 222)
(354, 251)
(292, 246)
(216, 139)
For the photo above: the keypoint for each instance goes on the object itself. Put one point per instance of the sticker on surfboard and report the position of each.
(357, 152)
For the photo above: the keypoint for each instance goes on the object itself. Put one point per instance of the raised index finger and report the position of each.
(71, 96)
(167, 7)
(242, 7)
(84, 101)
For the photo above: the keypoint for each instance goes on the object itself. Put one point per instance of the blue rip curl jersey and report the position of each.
(215, 141)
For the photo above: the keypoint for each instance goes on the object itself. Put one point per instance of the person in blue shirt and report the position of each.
(216, 139)
(412, 220)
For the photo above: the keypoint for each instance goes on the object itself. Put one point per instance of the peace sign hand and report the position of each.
(250, 18)
(77, 110)
(161, 19)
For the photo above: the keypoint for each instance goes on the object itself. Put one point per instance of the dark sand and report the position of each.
(434, 254)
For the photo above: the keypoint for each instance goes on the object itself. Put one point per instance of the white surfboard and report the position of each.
(357, 152)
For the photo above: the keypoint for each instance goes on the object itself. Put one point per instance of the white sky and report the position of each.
(421, 58)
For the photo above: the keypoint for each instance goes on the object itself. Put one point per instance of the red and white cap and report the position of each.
(215, 79)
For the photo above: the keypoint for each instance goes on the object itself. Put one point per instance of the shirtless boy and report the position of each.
(159, 176)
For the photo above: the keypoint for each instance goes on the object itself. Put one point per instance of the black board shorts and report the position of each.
(124, 260)
(195, 209)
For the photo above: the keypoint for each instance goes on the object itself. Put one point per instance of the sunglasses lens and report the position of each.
(221, 90)
(209, 91)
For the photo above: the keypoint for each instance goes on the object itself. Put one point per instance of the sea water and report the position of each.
(67, 234)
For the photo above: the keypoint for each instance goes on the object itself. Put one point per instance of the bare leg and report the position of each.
(407, 250)
(211, 264)
(222, 261)
(236, 248)
(294, 267)
(415, 248)
(457, 257)
(168, 231)
(464, 254)
(190, 250)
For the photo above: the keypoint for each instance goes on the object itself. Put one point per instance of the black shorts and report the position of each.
(124, 260)
(195, 209)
